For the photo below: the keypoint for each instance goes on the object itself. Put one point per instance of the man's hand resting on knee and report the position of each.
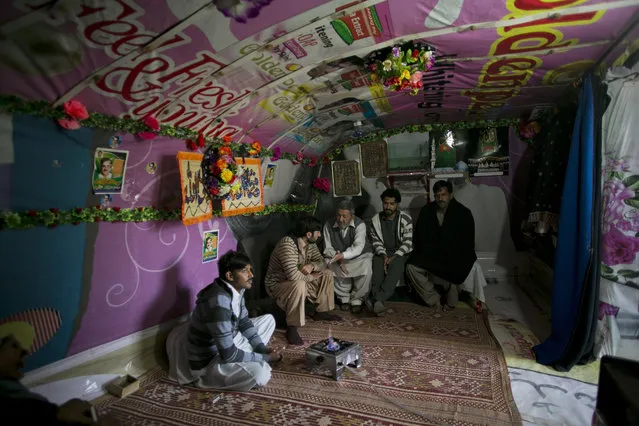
(319, 274)
(307, 269)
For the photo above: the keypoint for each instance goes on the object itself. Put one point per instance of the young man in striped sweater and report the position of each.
(391, 235)
(297, 272)
(220, 347)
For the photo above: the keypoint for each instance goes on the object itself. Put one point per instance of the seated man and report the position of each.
(444, 248)
(220, 347)
(350, 257)
(296, 272)
(21, 406)
(391, 235)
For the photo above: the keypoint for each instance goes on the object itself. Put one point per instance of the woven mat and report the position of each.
(419, 367)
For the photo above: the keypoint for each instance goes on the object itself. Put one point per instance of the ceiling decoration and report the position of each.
(293, 75)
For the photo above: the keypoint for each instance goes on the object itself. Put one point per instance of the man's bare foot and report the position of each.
(325, 316)
(293, 336)
(447, 308)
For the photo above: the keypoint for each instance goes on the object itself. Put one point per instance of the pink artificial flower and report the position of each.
(298, 158)
(152, 122)
(313, 162)
(69, 124)
(147, 136)
(277, 153)
(323, 184)
(191, 145)
(201, 141)
(76, 110)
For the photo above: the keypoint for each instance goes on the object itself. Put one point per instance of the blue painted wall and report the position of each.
(42, 268)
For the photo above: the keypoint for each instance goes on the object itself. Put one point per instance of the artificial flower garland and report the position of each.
(15, 105)
(53, 217)
(70, 116)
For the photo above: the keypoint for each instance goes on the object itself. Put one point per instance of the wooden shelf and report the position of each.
(486, 174)
(449, 175)
(407, 173)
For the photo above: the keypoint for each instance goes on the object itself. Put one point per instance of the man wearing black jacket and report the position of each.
(19, 405)
(443, 248)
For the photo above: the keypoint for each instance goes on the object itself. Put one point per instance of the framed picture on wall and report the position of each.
(250, 196)
(196, 205)
(109, 168)
(346, 178)
(374, 158)
(209, 245)
(270, 175)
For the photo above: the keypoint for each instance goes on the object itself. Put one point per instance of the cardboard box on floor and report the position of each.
(123, 386)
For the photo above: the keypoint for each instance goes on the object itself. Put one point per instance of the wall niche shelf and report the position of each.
(408, 181)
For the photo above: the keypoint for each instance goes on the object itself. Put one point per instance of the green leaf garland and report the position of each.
(15, 105)
(53, 218)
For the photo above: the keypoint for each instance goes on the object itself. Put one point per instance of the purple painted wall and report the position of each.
(146, 273)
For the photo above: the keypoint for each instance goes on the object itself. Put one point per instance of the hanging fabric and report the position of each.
(573, 298)
(618, 325)
(548, 169)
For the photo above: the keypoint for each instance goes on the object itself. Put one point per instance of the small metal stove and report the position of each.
(329, 357)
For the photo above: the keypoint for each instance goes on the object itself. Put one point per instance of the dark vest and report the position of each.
(342, 243)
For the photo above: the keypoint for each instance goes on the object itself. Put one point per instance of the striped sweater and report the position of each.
(286, 261)
(213, 325)
(404, 232)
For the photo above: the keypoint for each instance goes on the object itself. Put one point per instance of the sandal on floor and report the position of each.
(436, 306)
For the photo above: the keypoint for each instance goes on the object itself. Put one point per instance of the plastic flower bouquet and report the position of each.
(220, 172)
(400, 68)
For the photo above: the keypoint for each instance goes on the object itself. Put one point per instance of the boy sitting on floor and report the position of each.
(220, 347)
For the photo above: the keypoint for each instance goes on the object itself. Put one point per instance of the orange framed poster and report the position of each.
(249, 197)
(196, 204)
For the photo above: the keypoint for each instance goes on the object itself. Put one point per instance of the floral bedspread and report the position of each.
(619, 297)
(620, 242)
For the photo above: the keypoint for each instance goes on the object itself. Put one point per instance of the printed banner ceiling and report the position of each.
(292, 76)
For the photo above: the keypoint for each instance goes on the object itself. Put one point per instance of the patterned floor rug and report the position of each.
(419, 367)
